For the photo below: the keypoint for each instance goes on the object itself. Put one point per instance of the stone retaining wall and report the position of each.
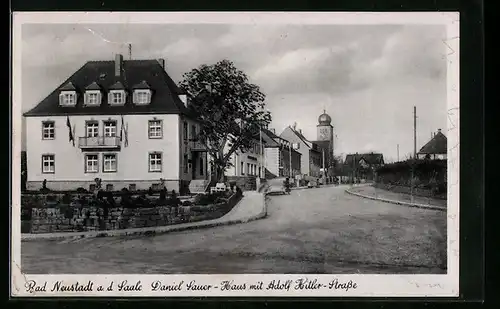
(71, 219)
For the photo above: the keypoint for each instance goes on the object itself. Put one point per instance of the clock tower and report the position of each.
(325, 128)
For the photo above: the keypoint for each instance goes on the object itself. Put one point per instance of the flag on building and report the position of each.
(71, 137)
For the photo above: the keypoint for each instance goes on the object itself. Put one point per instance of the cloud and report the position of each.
(367, 77)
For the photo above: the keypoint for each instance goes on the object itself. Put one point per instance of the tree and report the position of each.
(230, 109)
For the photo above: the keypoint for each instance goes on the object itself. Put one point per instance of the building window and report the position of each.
(248, 168)
(67, 98)
(155, 162)
(193, 132)
(142, 97)
(242, 168)
(185, 163)
(202, 167)
(92, 98)
(48, 130)
(185, 130)
(48, 164)
(116, 97)
(109, 163)
(155, 129)
(110, 128)
(109, 187)
(91, 163)
(92, 129)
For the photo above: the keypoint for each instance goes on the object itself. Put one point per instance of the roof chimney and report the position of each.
(273, 130)
(439, 130)
(162, 63)
(118, 65)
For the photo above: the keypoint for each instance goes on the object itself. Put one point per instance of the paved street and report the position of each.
(321, 230)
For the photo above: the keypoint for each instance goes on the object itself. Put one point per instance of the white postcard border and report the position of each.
(366, 285)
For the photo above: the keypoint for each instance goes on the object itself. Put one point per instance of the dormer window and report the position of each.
(142, 93)
(67, 98)
(142, 96)
(93, 97)
(116, 97)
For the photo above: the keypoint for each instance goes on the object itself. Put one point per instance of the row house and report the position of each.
(123, 121)
(311, 156)
(281, 156)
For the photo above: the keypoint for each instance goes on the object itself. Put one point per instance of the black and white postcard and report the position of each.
(235, 154)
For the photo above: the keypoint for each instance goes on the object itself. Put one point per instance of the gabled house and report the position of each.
(310, 152)
(281, 157)
(435, 149)
(123, 121)
(363, 165)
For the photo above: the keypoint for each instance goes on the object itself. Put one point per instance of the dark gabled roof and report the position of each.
(164, 100)
(117, 86)
(69, 87)
(93, 86)
(272, 140)
(302, 137)
(370, 158)
(437, 145)
(142, 85)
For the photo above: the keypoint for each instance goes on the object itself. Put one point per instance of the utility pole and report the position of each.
(398, 153)
(129, 51)
(290, 157)
(324, 170)
(414, 151)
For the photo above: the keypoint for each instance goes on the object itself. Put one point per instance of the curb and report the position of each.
(153, 231)
(396, 202)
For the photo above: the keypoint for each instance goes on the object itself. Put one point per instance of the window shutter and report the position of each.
(99, 98)
(86, 98)
(149, 97)
(110, 98)
(134, 97)
(61, 99)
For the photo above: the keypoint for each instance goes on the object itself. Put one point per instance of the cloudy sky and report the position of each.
(367, 77)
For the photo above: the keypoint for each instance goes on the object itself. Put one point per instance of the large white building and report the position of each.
(124, 121)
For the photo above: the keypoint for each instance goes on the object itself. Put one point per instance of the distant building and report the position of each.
(280, 153)
(123, 121)
(435, 149)
(310, 152)
(325, 142)
(363, 165)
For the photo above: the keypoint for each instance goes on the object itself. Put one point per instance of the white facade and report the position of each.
(248, 163)
(156, 149)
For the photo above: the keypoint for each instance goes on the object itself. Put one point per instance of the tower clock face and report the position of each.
(323, 133)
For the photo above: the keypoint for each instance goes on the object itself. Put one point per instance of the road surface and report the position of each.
(320, 230)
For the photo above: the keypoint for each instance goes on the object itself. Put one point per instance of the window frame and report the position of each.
(105, 124)
(91, 123)
(86, 170)
(66, 95)
(185, 163)
(242, 168)
(53, 123)
(138, 95)
(98, 98)
(150, 154)
(53, 163)
(104, 155)
(121, 93)
(160, 125)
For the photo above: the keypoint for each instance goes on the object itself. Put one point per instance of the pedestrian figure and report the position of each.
(286, 184)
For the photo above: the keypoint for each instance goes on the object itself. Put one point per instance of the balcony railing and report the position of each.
(99, 142)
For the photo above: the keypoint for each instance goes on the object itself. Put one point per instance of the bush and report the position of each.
(81, 190)
(67, 198)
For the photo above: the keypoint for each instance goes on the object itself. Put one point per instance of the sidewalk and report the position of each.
(397, 198)
(251, 207)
